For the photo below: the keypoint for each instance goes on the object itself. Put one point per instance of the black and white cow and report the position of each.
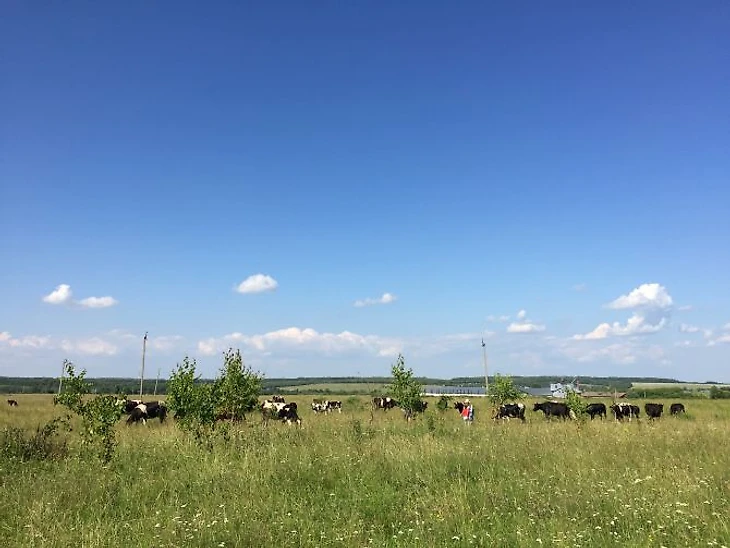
(285, 412)
(129, 405)
(509, 411)
(146, 411)
(12, 403)
(625, 410)
(333, 405)
(654, 410)
(594, 409)
(278, 399)
(459, 406)
(384, 402)
(676, 409)
(554, 409)
(319, 406)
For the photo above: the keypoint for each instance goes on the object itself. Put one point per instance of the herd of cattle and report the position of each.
(276, 408)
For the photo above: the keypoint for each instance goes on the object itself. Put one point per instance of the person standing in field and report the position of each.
(468, 412)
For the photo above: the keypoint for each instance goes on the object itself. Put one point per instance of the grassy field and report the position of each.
(347, 480)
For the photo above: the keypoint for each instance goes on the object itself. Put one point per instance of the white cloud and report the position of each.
(628, 351)
(686, 328)
(295, 338)
(652, 304)
(98, 302)
(722, 339)
(257, 283)
(30, 341)
(93, 346)
(726, 327)
(165, 343)
(62, 294)
(4, 336)
(525, 327)
(385, 298)
(636, 325)
(646, 295)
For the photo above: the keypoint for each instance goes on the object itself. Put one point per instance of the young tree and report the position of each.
(238, 387)
(406, 390)
(503, 390)
(98, 415)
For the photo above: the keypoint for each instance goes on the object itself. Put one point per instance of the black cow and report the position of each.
(625, 410)
(385, 403)
(459, 406)
(654, 410)
(12, 403)
(554, 409)
(594, 409)
(511, 411)
(676, 409)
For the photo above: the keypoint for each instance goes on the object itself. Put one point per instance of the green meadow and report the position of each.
(360, 479)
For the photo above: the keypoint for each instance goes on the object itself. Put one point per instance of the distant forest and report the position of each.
(49, 385)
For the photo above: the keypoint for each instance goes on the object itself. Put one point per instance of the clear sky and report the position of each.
(324, 185)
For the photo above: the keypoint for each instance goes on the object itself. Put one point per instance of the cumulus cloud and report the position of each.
(524, 325)
(636, 325)
(98, 302)
(4, 336)
(385, 298)
(257, 283)
(651, 304)
(722, 339)
(650, 295)
(626, 352)
(302, 339)
(94, 346)
(62, 294)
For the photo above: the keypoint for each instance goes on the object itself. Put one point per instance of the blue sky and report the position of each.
(443, 167)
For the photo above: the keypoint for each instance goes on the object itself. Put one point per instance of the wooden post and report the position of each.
(141, 376)
(60, 381)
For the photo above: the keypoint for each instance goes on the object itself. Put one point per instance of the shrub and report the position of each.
(503, 390)
(15, 443)
(444, 403)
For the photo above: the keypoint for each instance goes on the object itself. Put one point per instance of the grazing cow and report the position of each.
(594, 409)
(139, 413)
(285, 412)
(12, 403)
(459, 406)
(129, 405)
(625, 410)
(509, 411)
(278, 399)
(654, 410)
(554, 409)
(333, 404)
(156, 410)
(384, 403)
(319, 406)
(676, 409)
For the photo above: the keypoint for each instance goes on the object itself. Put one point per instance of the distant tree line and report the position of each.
(112, 385)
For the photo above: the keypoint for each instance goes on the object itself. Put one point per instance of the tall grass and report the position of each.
(347, 480)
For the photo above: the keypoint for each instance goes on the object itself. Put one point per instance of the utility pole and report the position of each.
(141, 376)
(486, 375)
(157, 380)
(60, 380)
